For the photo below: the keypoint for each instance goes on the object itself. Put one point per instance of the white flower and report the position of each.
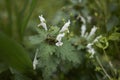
(92, 32)
(86, 35)
(62, 33)
(65, 27)
(89, 45)
(59, 43)
(97, 38)
(42, 19)
(90, 49)
(83, 20)
(43, 24)
(92, 52)
(83, 29)
(60, 36)
(35, 61)
(89, 18)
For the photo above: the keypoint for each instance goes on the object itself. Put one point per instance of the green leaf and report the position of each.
(102, 43)
(67, 52)
(23, 17)
(37, 39)
(27, 18)
(54, 30)
(14, 55)
(111, 23)
(97, 68)
(47, 61)
(114, 36)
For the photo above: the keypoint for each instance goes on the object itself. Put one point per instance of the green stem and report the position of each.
(110, 63)
(99, 62)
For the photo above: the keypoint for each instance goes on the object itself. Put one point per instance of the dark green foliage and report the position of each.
(14, 54)
(68, 53)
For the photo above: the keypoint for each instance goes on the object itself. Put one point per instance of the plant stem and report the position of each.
(110, 63)
(99, 62)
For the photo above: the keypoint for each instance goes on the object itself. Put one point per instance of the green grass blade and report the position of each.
(27, 18)
(9, 10)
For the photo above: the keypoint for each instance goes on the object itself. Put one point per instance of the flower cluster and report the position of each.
(92, 32)
(83, 29)
(62, 33)
(87, 36)
(43, 24)
(90, 49)
(58, 38)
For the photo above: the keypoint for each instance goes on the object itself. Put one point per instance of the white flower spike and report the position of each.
(92, 32)
(89, 45)
(35, 61)
(90, 49)
(83, 20)
(83, 29)
(62, 33)
(97, 38)
(89, 18)
(92, 52)
(86, 35)
(65, 27)
(43, 24)
(59, 38)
